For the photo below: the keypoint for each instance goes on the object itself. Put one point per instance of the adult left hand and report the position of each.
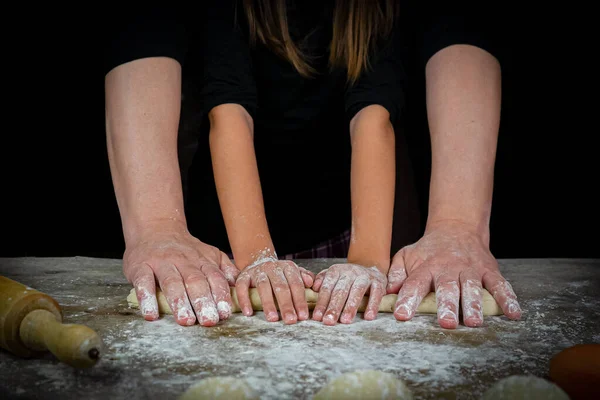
(456, 261)
(341, 289)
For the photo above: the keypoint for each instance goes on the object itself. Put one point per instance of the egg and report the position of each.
(576, 370)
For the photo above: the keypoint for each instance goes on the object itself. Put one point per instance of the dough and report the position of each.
(365, 385)
(524, 387)
(428, 305)
(220, 388)
(576, 370)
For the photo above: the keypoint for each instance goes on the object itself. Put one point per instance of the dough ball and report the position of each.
(365, 385)
(220, 388)
(524, 387)
(577, 371)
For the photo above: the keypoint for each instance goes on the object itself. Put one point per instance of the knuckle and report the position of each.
(321, 274)
(179, 258)
(208, 267)
(292, 269)
(332, 274)
(345, 280)
(472, 282)
(295, 279)
(362, 280)
(280, 287)
(491, 265)
(211, 249)
(244, 275)
(170, 254)
(171, 280)
(194, 278)
(133, 268)
(215, 274)
(262, 277)
(296, 284)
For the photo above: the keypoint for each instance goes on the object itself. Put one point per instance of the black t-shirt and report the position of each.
(301, 126)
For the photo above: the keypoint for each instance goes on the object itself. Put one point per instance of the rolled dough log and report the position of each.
(427, 306)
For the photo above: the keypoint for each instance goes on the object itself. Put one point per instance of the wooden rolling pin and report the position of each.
(31, 323)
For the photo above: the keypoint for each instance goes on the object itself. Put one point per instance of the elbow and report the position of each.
(230, 117)
(463, 60)
(374, 121)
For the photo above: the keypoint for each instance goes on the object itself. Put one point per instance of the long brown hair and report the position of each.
(358, 25)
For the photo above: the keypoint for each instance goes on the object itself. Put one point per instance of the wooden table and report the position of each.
(160, 360)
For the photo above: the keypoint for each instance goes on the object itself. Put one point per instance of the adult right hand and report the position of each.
(194, 276)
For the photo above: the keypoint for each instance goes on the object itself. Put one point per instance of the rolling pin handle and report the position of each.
(75, 345)
(94, 354)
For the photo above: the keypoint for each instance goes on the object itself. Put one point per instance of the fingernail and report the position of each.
(149, 309)
(273, 316)
(513, 308)
(208, 315)
(329, 319)
(247, 312)
(473, 314)
(224, 309)
(448, 315)
(402, 311)
(290, 318)
(302, 315)
(369, 315)
(317, 314)
(186, 315)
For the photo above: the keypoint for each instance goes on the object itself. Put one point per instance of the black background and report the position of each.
(57, 193)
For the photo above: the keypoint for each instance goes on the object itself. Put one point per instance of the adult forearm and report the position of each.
(372, 187)
(238, 184)
(142, 117)
(463, 107)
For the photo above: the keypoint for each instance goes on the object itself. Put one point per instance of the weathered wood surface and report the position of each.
(160, 360)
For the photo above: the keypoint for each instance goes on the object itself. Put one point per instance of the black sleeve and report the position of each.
(156, 31)
(228, 76)
(381, 83)
(449, 23)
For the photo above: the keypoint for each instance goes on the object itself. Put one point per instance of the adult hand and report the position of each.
(194, 277)
(457, 262)
(341, 289)
(285, 279)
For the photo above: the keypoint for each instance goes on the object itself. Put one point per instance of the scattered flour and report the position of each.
(286, 361)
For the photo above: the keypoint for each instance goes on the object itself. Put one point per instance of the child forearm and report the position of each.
(372, 187)
(238, 184)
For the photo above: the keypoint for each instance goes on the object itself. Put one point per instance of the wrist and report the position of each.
(475, 227)
(368, 260)
(471, 215)
(134, 230)
(256, 257)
